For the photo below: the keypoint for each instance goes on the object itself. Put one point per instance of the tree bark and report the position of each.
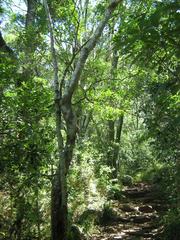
(114, 130)
(31, 10)
(63, 104)
(116, 162)
(59, 192)
(111, 133)
(178, 181)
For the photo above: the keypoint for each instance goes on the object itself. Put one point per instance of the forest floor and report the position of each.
(136, 217)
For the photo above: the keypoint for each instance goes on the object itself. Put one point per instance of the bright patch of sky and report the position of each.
(16, 6)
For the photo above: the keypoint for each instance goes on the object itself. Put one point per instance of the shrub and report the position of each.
(172, 225)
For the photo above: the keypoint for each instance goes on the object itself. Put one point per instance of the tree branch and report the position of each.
(86, 51)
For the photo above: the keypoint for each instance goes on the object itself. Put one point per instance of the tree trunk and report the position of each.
(63, 104)
(114, 131)
(31, 9)
(111, 133)
(116, 162)
(59, 192)
(59, 222)
(178, 181)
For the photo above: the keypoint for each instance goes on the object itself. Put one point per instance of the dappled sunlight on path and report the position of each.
(136, 217)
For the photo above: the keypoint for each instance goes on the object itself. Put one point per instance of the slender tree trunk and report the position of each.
(116, 162)
(59, 193)
(63, 104)
(178, 182)
(111, 133)
(112, 139)
(114, 127)
(59, 223)
(37, 207)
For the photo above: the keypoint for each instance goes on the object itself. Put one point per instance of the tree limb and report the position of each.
(87, 49)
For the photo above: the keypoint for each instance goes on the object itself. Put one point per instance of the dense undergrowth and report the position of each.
(161, 176)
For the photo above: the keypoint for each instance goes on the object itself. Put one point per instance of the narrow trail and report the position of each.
(137, 217)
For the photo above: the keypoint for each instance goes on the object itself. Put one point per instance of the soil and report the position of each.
(138, 217)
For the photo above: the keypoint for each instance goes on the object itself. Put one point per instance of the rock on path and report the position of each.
(137, 217)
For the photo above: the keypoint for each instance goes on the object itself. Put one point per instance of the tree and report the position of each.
(63, 104)
(24, 141)
(153, 33)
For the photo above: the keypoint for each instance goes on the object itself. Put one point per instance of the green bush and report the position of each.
(89, 219)
(108, 214)
(172, 225)
(127, 180)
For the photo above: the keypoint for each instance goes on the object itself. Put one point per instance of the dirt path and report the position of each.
(137, 217)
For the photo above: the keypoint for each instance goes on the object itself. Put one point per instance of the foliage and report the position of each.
(172, 225)
(142, 90)
(108, 214)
